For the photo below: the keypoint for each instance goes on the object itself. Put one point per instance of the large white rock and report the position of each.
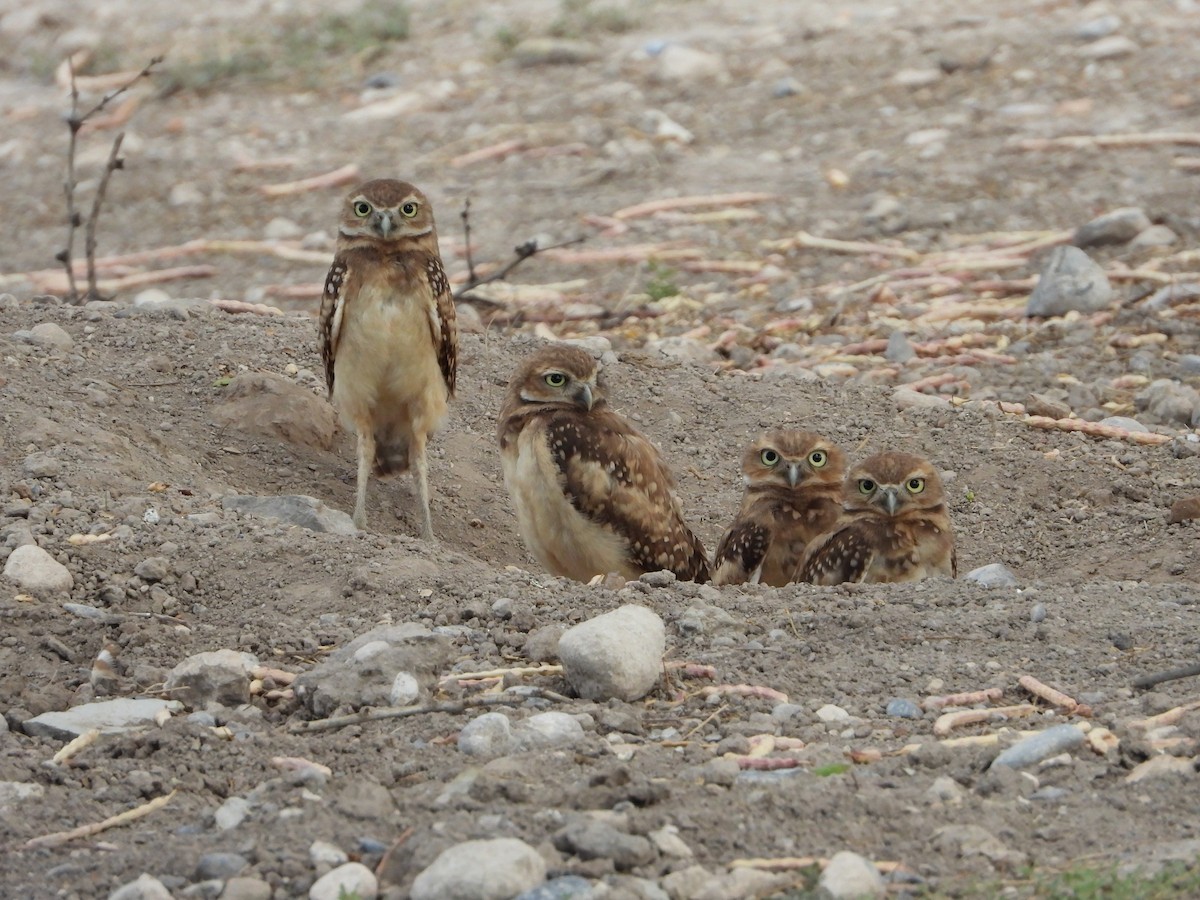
(33, 569)
(106, 716)
(351, 880)
(495, 869)
(145, 887)
(849, 875)
(618, 654)
(217, 676)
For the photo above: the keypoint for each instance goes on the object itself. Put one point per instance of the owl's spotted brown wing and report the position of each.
(842, 555)
(445, 335)
(741, 552)
(333, 309)
(615, 477)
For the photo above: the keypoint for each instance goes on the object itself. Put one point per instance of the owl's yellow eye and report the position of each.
(362, 209)
(408, 210)
(818, 458)
(915, 485)
(866, 486)
(769, 457)
(556, 379)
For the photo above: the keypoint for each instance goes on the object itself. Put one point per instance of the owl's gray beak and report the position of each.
(383, 222)
(889, 499)
(794, 474)
(583, 396)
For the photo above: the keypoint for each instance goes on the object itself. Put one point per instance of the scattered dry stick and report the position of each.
(1170, 717)
(1108, 141)
(519, 672)
(344, 175)
(947, 722)
(62, 837)
(1149, 681)
(400, 712)
(675, 203)
(1051, 696)
(813, 242)
(496, 151)
(745, 690)
(75, 746)
(1095, 429)
(969, 698)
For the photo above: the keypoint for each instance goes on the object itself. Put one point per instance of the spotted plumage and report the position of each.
(895, 526)
(793, 494)
(592, 494)
(388, 336)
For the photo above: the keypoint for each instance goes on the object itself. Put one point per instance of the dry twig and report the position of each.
(1052, 696)
(947, 722)
(1149, 681)
(967, 698)
(76, 122)
(130, 815)
(400, 712)
(344, 175)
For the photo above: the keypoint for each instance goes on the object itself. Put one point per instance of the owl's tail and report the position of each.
(391, 451)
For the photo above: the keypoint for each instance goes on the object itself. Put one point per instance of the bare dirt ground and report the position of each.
(826, 108)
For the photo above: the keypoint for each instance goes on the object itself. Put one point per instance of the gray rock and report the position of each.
(1154, 236)
(993, 575)
(220, 865)
(852, 877)
(246, 889)
(1041, 405)
(1033, 749)
(231, 813)
(684, 884)
(14, 793)
(907, 398)
(35, 570)
(1069, 281)
(903, 708)
(363, 798)
(1169, 402)
(899, 348)
(1114, 46)
(144, 887)
(886, 215)
(47, 334)
(615, 655)
(1125, 422)
(566, 887)
(1168, 295)
(974, 840)
(1094, 29)
(293, 509)
(41, 465)
(1116, 227)
(152, 569)
(689, 65)
(352, 879)
(549, 51)
(495, 869)
(740, 883)
(276, 407)
(326, 855)
(281, 229)
(107, 716)
(668, 842)
(592, 839)
(217, 676)
(406, 689)
(488, 735)
(945, 790)
(548, 729)
(1038, 613)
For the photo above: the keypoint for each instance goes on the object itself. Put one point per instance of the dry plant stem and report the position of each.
(400, 712)
(1107, 141)
(75, 122)
(344, 175)
(496, 151)
(241, 306)
(767, 763)
(62, 837)
(1149, 681)
(114, 162)
(1047, 693)
(1095, 429)
(967, 698)
(1170, 717)
(745, 690)
(79, 744)
(691, 670)
(947, 722)
(1187, 163)
(520, 671)
(665, 251)
(672, 203)
(804, 239)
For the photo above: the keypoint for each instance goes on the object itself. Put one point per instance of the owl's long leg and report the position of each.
(366, 456)
(420, 467)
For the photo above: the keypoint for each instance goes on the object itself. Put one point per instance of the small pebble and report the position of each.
(903, 708)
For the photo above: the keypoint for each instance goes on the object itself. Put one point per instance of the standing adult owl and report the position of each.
(895, 526)
(793, 494)
(592, 494)
(388, 335)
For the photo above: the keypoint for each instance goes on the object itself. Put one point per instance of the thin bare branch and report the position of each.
(114, 162)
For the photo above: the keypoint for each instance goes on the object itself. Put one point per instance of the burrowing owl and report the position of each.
(592, 494)
(895, 526)
(793, 494)
(388, 334)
